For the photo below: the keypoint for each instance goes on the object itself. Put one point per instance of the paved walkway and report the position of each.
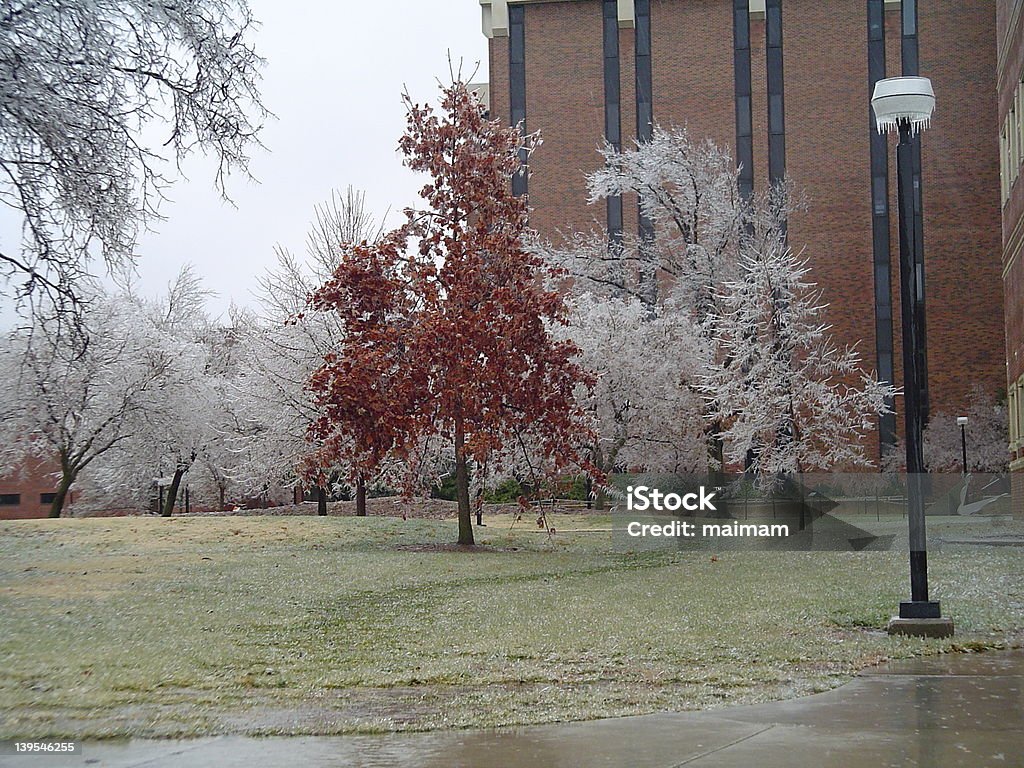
(937, 712)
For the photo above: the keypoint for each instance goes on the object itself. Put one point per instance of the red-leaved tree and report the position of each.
(447, 319)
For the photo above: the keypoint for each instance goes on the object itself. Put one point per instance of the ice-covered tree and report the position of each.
(688, 191)
(987, 432)
(79, 394)
(645, 403)
(788, 398)
(82, 84)
(284, 344)
(184, 421)
(447, 319)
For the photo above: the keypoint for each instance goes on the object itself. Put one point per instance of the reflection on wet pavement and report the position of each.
(938, 712)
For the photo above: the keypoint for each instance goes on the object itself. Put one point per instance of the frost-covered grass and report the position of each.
(328, 625)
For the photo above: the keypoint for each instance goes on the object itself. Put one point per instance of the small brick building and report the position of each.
(786, 85)
(27, 490)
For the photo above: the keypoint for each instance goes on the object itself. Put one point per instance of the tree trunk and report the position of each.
(601, 464)
(57, 505)
(462, 485)
(172, 491)
(321, 501)
(595, 457)
(360, 496)
(716, 456)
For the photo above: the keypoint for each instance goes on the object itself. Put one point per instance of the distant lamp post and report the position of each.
(905, 105)
(962, 421)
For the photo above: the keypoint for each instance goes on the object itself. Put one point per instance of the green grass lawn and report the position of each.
(143, 626)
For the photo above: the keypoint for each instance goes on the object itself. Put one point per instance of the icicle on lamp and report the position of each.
(903, 99)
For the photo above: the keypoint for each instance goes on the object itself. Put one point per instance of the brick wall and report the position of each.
(692, 69)
(828, 158)
(498, 68)
(565, 100)
(960, 170)
(1010, 70)
(827, 150)
(28, 481)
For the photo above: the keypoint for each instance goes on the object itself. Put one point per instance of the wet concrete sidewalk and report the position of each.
(939, 712)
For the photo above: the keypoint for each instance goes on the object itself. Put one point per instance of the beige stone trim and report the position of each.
(627, 14)
(494, 15)
(495, 18)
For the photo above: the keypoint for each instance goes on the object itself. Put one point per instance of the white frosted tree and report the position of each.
(788, 398)
(78, 395)
(748, 329)
(183, 422)
(987, 432)
(645, 405)
(82, 82)
(284, 344)
(688, 191)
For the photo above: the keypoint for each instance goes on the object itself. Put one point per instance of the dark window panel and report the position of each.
(773, 22)
(612, 110)
(517, 83)
(614, 205)
(742, 89)
(776, 89)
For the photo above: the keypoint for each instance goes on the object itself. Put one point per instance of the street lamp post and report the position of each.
(962, 421)
(905, 105)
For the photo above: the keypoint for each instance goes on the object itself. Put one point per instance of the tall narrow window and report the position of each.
(776, 93)
(644, 132)
(1020, 410)
(644, 98)
(1012, 403)
(517, 83)
(744, 117)
(1019, 102)
(1004, 164)
(612, 111)
(1015, 158)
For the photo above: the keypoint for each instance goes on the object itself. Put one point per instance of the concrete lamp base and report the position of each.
(921, 627)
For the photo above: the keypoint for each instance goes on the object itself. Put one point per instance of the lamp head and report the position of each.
(961, 420)
(898, 99)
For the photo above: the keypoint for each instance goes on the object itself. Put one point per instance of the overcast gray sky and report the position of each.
(334, 77)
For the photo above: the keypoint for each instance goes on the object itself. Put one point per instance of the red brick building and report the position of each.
(27, 490)
(1010, 68)
(786, 86)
